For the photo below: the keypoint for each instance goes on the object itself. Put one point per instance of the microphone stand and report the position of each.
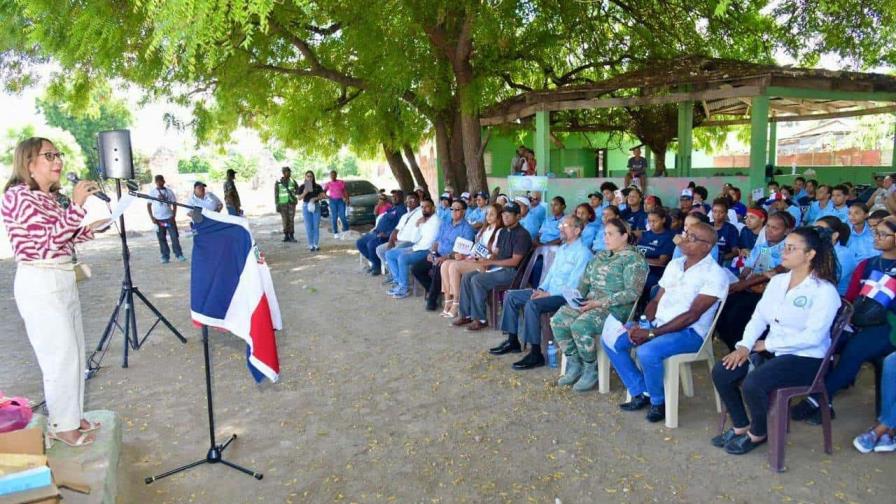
(126, 302)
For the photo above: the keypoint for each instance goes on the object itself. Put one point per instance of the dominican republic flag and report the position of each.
(880, 287)
(231, 289)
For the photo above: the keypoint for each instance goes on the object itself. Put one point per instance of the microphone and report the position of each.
(74, 180)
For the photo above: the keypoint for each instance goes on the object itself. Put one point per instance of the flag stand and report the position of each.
(215, 451)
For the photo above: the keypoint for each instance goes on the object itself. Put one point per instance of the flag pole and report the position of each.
(215, 451)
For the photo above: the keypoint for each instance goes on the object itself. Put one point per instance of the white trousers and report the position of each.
(47, 298)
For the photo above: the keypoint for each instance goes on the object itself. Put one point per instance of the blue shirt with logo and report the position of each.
(593, 231)
(449, 231)
(765, 257)
(726, 238)
(567, 268)
(530, 223)
(653, 245)
(635, 220)
(389, 219)
(474, 215)
(539, 212)
(550, 229)
(862, 244)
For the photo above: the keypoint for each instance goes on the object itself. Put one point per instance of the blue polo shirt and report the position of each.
(550, 230)
(449, 231)
(816, 211)
(726, 238)
(530, 223)
(567, 268)
(635, 220)
(841, 213)
(862, 244)
(474, 215)
(848, 262)
(443, 213)
(653, 245)
(390, 219)
(765, 257)
(593, 231)
(539, 213)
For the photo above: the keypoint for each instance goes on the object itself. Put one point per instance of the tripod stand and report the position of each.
(215, 450)
(126, 302)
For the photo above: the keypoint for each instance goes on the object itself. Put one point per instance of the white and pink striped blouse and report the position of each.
(39, 227)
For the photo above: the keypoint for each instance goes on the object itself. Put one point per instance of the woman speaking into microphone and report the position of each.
(43, 233)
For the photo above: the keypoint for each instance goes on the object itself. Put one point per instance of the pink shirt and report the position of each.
(335, 189)
(38, 227)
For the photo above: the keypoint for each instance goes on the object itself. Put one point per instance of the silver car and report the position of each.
(363, 198)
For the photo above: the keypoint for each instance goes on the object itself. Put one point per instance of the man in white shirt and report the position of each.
(680, 315)
(163, 215)
(405, 233)
(400, 260)
(203, 198)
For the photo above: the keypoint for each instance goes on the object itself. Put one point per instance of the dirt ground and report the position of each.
(380, 401)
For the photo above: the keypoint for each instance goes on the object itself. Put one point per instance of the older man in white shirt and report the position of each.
(204, 199)
(401, 260)
(405, 233)
(680, 315)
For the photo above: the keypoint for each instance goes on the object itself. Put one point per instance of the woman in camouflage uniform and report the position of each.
(612, 282)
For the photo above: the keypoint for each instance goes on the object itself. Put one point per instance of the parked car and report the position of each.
(363, 196)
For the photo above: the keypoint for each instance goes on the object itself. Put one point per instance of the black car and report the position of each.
(363, 198)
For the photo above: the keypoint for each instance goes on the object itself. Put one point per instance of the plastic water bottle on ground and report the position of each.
(552, 354)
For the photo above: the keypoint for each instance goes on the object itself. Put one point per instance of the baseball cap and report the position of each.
(522, 200)
(465, 195)
(484, 194)
(687, 194)
(198, 183)
(512, 207)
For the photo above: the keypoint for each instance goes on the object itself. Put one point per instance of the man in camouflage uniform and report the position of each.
(285, 191)
(612, 282)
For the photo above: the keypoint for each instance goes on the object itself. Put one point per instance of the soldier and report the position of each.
(285, 190)
(612, 282)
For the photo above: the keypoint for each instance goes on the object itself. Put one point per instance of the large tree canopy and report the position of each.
(380, 77)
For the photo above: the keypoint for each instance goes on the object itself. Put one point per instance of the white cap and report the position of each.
(465, 195)
(522, 200)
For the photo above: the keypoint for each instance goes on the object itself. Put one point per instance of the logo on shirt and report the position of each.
(801, 302)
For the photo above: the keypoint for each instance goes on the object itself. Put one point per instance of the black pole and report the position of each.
(213, 456)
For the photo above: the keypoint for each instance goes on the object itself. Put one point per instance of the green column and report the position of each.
(685, 137)
(893, 162)
(648, 155)
(758, 140)
(543, 141)
(773, 143)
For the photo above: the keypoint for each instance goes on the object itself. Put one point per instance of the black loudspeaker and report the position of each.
(115, 154)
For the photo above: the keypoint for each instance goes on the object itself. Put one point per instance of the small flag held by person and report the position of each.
(231, 289)
(880, 287)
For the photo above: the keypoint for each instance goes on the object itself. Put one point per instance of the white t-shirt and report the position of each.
(210, 201)
(408, 231)
(162, 210)
(682, 287)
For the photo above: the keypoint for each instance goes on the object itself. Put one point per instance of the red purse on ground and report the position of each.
(15, 413)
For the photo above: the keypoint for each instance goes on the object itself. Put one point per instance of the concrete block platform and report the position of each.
(99, 460)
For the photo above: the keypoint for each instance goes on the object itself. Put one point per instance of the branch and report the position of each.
(326, 30)
(343, 100)
(511, 83)
(315, 67)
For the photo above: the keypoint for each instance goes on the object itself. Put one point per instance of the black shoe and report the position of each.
(292, 238)
(431, 306)
(803, 411)
(742, 444)
(285, 238)
(724, 438)
(506, 347)
(375, 272)
(530, 361)
(638, 402)
(657, 413)
(815, 419)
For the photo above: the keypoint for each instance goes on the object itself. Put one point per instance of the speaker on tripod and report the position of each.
(116, 162)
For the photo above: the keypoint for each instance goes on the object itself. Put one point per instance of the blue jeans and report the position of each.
(232, 211)
(337, 211)
(169, 227)
(312, 224)
(367, 245)
(399, 261)
(517, 300)
(651, 354)
(888, 392)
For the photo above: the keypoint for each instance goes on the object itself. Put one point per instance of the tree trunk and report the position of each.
(457, 153)
(415, 168)
(399, 169)
(472, 137)
(443, 151)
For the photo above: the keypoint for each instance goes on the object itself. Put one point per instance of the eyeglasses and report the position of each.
(789, 249)
(455, 209)
(882, 236)
(50, 156)
(694, 238)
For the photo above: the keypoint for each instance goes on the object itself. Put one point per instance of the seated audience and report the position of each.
(726, 233)
(401, 260)
(609, 286)
(651, 202)
(753, 224)
(878, 199)
(821, 206)
(676, 220)
(428, 272)
(686, 201)
(797, 309)
(762, 264)
(876, 216)
(528, 220)
(444, 208)
(608, 189)
(383, 205)
(700, 197)
(596, 202)
(882, 437)
(514, 244)
(861, 241)
(734, 195)
(549, 233)
(537, 208)
(846, 260)
(657, 246)
(380, 234)
(594, 226)
(680, 316)
(453, 269)
(839, 208)
(692, 219)
(633, 214)
(564, 273)
(405, 233)
(871, 339)
(475, 214)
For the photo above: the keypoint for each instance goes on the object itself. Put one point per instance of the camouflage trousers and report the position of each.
(577, 333)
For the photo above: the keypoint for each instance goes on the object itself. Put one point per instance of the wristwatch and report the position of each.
(650, 334)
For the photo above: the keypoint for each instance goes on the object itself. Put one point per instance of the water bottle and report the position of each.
(552, 354)
(644, 323)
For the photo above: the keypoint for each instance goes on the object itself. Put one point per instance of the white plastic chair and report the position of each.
(677, 371)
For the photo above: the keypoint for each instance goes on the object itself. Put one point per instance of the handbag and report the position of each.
(15, 413)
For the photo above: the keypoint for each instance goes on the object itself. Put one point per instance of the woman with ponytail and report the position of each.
(798, 308)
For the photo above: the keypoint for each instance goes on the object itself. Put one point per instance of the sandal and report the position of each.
(93, 426)
(82, 441)
(447, 311)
